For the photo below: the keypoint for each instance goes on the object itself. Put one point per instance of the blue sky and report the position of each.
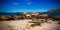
(28, 5)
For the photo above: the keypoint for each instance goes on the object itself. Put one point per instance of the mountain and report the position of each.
(53, 12)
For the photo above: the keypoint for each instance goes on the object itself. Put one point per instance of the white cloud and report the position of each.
(42, 10)
(28, 3)
(15, 3)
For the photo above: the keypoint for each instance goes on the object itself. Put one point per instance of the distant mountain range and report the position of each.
(52, 12)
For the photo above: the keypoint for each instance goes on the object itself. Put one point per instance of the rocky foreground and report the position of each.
(25, 25)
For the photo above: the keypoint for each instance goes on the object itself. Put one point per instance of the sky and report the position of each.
(28, 5)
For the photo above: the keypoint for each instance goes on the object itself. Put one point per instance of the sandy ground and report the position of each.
(23, 24)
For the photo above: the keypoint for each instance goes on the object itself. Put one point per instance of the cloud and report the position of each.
(28, 3)
(15, 3)
(42, 10)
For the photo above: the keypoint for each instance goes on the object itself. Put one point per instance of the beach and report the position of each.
(25, 25)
